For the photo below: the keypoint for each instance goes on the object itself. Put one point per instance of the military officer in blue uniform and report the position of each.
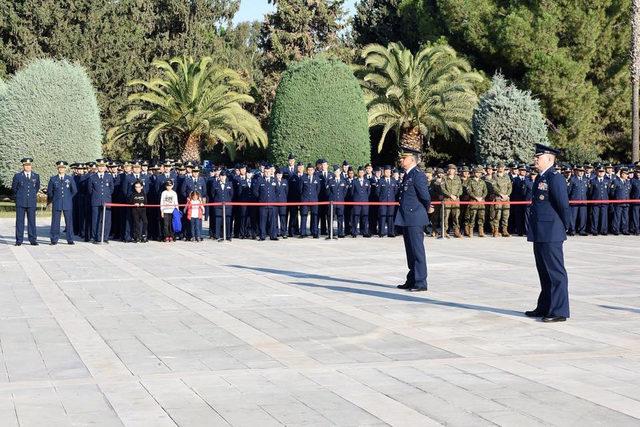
(621, 190)
(282, 195)
(309, 189)
(221, 191)
(25, 186)
(60, 192)
(599, 187)
(337, 189)
(578, 189)
(242, 193)
(264, 191)
(100, 191)
(387, 189)
(413, 217)
(549, 219)
(360, 191)
(294, 196)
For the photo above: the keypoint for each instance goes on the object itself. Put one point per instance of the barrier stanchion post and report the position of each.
(104, 213)
(443, 226)
(224, 222)
(331, 220)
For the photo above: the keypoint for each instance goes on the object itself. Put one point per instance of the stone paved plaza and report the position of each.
(313, 332)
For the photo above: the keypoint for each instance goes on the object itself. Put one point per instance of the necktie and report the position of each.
(388, 181)
(28, 176)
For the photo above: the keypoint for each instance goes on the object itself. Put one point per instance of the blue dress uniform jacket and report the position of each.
(26, 194)
(412, 215)
(26, 190)
(60, 193)
(414, 200)
(548, 221)
(550, 214)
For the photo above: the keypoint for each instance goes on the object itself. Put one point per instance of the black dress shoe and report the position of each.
(583, 234)
(54, 243)
(18, 243)
(34, 243)
(417, 289)
(533, 313)
(553, 319)
(273, 238)
(262, 239)
(404, 286)
(71, 243)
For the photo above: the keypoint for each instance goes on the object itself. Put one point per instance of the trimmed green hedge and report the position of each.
(507, 123)
(48, 111)
(319, 112)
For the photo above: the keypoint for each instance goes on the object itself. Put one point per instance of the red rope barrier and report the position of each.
(434, 203)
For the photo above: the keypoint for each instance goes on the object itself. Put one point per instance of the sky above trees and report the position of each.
(254, 10)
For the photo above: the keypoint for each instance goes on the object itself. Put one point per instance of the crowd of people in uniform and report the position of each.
(147, 196)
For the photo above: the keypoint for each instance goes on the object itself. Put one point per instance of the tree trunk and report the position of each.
(192, 149)
(635, 80)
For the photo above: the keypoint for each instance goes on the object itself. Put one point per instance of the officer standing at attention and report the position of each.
(100, 189)
(549, 219)
(25, 187)
(412, 215)
(337, 188)
(387, 189)
(60, 192)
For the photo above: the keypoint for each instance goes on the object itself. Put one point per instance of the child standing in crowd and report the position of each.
(139, 213)
(168, 202)
(195, 211)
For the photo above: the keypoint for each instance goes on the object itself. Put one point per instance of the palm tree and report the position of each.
(196, 104)
(418, 96)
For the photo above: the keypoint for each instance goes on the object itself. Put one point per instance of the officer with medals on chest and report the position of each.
(412, 216)
(548, 222)
(60, 192)
(25, 186)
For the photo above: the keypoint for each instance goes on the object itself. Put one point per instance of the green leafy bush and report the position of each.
(319, 112)
(507, 124)
(48, 111)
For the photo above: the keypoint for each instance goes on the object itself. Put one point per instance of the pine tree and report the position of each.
(507, 124)
(297, 29)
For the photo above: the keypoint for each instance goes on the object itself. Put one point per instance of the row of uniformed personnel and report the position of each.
(80, 198)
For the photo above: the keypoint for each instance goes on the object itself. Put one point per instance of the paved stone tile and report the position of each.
(313, 333)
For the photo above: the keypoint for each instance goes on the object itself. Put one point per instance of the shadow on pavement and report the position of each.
(300, 275)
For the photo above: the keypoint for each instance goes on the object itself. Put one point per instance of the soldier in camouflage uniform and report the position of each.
(436, 195)
(501, 191)
(451, 188)
(477, 191)
(465, 177)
